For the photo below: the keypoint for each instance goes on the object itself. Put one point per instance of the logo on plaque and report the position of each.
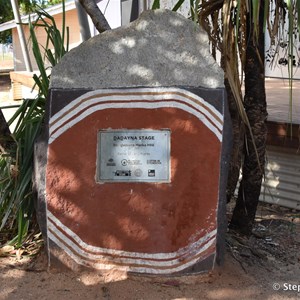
(126, 155)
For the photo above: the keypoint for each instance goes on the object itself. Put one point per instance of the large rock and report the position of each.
(161, 48)
(131, 169)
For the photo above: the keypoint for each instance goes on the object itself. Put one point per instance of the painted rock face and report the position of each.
(131, 172)
(133, 179)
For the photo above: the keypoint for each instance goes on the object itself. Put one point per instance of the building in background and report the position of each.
(110, 8)
(117, 13)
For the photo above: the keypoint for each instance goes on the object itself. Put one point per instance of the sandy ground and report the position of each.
(264, 266)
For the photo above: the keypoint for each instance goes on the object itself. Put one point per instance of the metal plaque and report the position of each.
(133, 156)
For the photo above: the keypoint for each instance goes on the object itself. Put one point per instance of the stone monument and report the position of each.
(131, 169)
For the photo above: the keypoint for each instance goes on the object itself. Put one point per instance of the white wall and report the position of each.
(274, 69)
(280, 48)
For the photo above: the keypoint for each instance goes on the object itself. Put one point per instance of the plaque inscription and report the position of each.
(133, 156)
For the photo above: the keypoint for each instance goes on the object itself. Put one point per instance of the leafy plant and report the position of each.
(16, 166)
(236, 31)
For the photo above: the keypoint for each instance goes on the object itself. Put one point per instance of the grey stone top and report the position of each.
(161, 48)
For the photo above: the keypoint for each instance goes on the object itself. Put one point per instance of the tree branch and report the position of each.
(96, 15)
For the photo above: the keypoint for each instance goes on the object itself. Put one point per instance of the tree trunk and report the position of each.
(5, 137)
(237, 144)
(256, 109)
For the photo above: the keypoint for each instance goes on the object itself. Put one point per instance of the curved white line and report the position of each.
(72, 109)
(91, 110)
(141, 269)
(65, 116)
(101, 251)
(142, 95)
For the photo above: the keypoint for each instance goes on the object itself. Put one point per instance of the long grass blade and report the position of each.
(178, 5)
(156, 4)
(16, 195)
(298, 14)
(290, 59)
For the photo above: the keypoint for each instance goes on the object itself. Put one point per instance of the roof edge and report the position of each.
(52, 10)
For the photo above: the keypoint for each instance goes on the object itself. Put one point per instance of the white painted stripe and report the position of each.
(123, 260)
(71, 110)
(91, 110)
(99, 250)
(171, 94)
(141, 269)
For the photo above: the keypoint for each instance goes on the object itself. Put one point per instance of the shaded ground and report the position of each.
(254, 269)
(4, 82)
(4, 87)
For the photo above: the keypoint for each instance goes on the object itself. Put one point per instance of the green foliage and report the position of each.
(6, 11)
(26, 7)
(6, 14)
(16, 167)
(29, 6)
(156, 4)
(178, 5)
